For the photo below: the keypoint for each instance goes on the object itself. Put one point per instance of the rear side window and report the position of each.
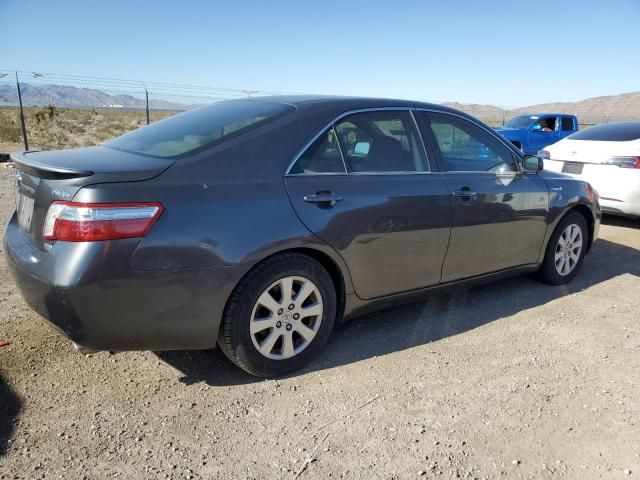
(381, 141)
(610, 132)
(368, 142)
(567, 124)
(197, 129)
(323, 156)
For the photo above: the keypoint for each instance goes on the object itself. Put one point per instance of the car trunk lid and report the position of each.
(43, 177)
(588, 151)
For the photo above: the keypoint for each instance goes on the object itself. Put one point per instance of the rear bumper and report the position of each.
(88, 292)
(619, 188)
(616, 207)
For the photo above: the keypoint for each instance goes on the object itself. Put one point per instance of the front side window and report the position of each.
(381, 141)
(193, 130)
(465, 147)
(547, 124)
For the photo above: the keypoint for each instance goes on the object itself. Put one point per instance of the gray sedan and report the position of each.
(257, 224)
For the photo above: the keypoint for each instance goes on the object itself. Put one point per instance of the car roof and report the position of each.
(622, 123)
(626, 131)
(324, 102)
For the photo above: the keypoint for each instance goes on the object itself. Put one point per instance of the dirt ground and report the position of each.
(511, 380)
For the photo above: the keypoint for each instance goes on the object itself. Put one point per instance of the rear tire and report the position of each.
(565, 251)
(268, 328)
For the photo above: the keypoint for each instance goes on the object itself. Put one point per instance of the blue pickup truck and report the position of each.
(531, 133)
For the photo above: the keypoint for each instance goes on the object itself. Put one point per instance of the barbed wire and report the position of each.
(27, 76)
(66, 110)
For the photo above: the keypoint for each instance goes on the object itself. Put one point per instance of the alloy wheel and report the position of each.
(568, 249)
(286, 317)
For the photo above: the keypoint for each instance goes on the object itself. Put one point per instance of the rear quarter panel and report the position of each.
(227, 208)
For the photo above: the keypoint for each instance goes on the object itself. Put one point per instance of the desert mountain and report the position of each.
(598, 109)
(625, 106)
(74, 97)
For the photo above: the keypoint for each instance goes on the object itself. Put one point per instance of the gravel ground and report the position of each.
(510, 380)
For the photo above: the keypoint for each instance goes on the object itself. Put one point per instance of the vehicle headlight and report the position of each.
(592, 193)
(544, 154)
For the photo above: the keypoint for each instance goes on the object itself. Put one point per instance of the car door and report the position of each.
(364, 186)
(498, 213)
(544, 132)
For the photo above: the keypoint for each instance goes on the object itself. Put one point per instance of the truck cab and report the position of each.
(532, 132)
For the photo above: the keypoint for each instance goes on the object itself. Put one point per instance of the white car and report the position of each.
(608, 157)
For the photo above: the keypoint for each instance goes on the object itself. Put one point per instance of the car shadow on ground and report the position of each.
(623, 222)
(10, 406)
(438, 316)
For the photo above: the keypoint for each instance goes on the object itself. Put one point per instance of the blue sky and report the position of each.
(507, 52)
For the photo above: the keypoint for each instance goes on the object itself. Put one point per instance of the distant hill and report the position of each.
(591, 110)
(74, 97)
(478, 110)
(625, 106)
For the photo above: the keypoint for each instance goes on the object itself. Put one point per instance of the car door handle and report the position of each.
(465, 193)
(323, 198)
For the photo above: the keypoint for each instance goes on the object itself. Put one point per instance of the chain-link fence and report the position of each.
(41, 111)
(46, 111)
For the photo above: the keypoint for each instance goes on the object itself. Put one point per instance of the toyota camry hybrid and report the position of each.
(258, 224)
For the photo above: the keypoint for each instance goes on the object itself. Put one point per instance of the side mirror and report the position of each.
(532, 164)
(361, 148)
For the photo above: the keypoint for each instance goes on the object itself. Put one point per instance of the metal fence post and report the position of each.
(146, 95)
(22, 126)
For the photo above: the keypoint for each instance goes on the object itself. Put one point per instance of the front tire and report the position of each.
(565, 250)
(280, 315)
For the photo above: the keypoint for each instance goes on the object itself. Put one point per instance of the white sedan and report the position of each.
(608, 157)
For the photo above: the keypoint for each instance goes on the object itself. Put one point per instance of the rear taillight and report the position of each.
(87, 222)
(625, 162)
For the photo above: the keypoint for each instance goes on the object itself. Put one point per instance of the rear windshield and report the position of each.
(610, 132)
(200, 128)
